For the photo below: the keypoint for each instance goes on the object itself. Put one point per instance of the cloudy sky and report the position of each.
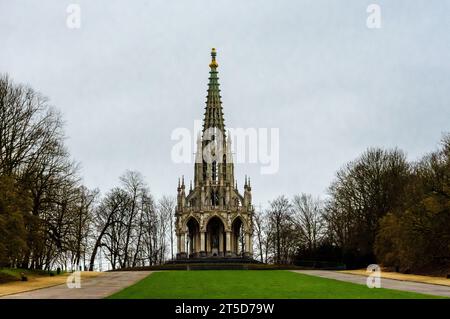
(134, 71)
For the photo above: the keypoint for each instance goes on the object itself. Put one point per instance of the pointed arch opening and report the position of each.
(215, 237)
(238, 237)
(193, 237)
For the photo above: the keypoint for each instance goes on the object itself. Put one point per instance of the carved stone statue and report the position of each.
(202, 217)
(215, 242)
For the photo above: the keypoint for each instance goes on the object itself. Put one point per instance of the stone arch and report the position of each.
(238, 238)
(187, 220)
(243, 221)
(192, 243)
(210, 217)
(215, 236)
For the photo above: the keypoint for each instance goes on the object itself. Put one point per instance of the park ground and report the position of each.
(11, 280)
(245, 284)
(239, 284)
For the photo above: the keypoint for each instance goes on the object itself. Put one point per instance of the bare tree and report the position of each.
(259, 222)
(29, 128)
(150, 240)
(106, 215)
(279, 215)
(166, 208)
(308, 218)
(134, 185)
(82, 223)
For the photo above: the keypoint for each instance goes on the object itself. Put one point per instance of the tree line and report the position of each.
(48, 218)
(133, 230)
(380, 208)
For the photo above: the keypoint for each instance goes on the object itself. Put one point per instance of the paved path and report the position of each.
(92, 288)
(430, 289)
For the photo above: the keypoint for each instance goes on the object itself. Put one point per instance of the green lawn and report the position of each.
(248, 284)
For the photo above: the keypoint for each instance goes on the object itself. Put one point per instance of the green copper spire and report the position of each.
(213, 110)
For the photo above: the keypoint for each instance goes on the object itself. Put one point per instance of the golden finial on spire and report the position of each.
(213, 63)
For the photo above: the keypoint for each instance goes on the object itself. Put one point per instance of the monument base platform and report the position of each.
(214, 260)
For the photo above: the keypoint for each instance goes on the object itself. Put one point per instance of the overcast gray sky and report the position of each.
(136, 70)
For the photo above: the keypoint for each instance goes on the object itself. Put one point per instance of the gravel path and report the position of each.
(91, 288)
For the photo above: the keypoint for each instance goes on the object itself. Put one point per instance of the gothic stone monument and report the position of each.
(214, 219)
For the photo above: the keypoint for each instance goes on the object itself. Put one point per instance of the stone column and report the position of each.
(183, 242)
(202, 244)
(183, 245)
(178, 246)
(221, 252)
(247, 245)
(198, 246)
(228, 244)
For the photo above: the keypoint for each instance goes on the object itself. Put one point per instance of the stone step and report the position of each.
(215, 260)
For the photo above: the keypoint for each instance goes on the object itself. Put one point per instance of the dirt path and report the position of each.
(39, 282)
(430, 289)
(91, 288)
(404, 277)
